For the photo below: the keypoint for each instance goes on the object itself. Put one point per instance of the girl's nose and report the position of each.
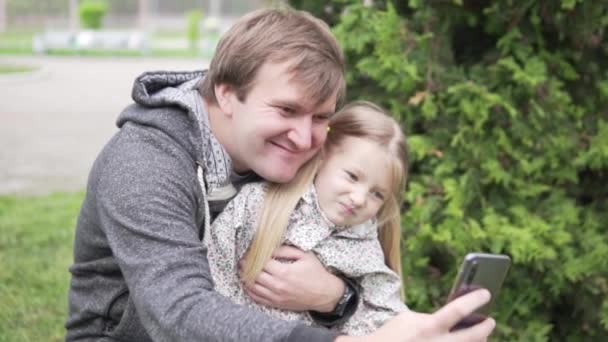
(357, 198)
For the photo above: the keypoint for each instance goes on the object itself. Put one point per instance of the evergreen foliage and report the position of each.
(506, 108)
(193, 19)
(91, 13)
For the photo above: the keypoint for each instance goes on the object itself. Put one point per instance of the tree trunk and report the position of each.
(143, 11)
(74, 21)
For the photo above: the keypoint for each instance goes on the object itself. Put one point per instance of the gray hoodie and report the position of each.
(140, 271)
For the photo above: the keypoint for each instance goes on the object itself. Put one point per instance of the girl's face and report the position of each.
(353, 181)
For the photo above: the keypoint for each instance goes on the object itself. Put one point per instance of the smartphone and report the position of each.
(480, 270)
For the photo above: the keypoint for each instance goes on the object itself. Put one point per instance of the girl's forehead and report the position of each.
(360, 147)
(364, 154)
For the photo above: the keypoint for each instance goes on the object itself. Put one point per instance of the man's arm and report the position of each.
(289, 286)
(361, 257)
(344, 309)
(410, 326)
(147, 206)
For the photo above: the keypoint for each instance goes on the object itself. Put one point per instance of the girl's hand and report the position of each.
(302, 284)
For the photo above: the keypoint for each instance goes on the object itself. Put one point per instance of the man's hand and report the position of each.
(413, 326)
(302, 285)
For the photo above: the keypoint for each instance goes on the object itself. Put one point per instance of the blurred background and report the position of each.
(53, 52)
(505, 104)
(133, 27)
(66, 72)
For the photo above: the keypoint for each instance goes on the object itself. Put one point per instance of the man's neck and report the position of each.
(220, 128)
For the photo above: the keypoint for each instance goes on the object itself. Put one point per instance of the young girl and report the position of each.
(343, 206)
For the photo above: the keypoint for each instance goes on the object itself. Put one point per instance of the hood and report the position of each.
(161, 89)
(169, 102)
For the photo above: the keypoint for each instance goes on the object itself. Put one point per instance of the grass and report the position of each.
(36, 237)
(17, 37)
(16, 42)
(12, 68)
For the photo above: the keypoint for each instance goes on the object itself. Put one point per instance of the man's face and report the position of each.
(353, 181)
(274, 131)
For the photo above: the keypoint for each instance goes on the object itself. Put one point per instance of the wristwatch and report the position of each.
(349, 292)
(344, 309)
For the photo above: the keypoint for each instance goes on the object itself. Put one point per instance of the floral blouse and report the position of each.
(352, 251)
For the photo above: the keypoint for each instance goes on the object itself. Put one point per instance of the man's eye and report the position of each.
(352, 176)
(286, 110)
(321, 117)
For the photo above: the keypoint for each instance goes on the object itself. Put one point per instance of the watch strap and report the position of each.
(341, 313)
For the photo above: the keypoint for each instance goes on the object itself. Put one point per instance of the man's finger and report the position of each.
(288, 252)
(266, 280)
(256, 298)
(275, 268)
(478, 332)
(459, 308)
(261, 291)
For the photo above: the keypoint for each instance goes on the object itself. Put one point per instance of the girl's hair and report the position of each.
(359, 119)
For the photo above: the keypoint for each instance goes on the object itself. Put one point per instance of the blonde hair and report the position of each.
(278, 35)
(359, 119)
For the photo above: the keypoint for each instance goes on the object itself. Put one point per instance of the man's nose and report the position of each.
(301, 133)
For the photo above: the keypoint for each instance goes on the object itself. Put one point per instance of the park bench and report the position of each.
(90, 40)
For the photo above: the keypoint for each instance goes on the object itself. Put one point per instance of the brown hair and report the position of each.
(359, 119)
(276, 36)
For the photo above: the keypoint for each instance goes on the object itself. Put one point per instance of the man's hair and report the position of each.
(276, 36)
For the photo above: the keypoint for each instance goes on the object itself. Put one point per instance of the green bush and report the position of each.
(193, 18)
(506, 107)
(329, 11)
(91, 13)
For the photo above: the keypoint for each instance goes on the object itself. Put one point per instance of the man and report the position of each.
(186, 145)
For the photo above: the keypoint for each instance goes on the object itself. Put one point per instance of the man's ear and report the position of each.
(224, 96)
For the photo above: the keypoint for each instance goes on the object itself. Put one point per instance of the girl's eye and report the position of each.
(379, 195)
(351, 175)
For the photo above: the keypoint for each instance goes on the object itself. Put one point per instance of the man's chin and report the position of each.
(278, 169)
(277, 175)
